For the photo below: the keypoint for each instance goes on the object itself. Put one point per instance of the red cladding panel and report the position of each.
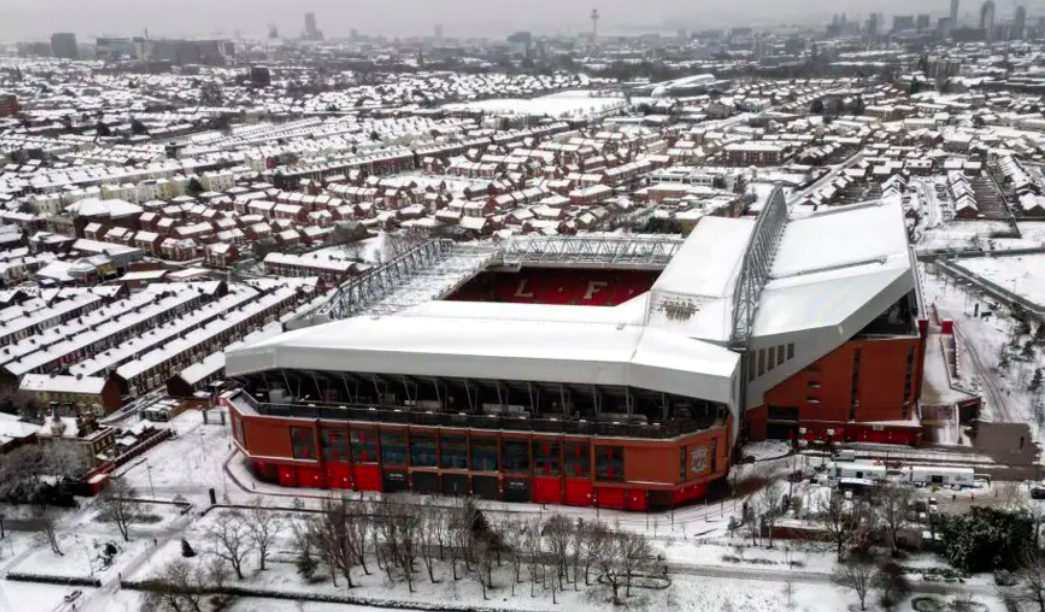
(338, 476)
(690, 493)
(547, 490)
(636, 499)
(578, 493)
(310, 477)
(367, 477)
(287, 476)
(611, 498)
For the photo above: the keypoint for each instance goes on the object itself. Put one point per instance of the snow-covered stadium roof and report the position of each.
(560, 348)
(831, 274)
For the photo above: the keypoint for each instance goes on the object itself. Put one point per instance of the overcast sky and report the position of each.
(27, 19)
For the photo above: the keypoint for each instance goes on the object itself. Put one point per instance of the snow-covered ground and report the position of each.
(1021, 274)
(32, 597)
(570, 104)
(1006, 393)
(187, 465)
(704, 578)
(766, 449)
(82, 555)
(961, 235)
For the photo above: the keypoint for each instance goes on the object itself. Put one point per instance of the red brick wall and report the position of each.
(880, 386)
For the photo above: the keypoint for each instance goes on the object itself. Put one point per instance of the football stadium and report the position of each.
(618, 371)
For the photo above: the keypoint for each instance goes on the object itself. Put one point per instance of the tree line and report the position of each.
(409, 542)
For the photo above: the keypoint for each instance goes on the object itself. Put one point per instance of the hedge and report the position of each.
(59, 580)
(237, 591)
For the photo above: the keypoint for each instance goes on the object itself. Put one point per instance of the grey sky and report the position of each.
(26, 19)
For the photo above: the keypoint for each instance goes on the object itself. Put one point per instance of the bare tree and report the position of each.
(263, 524)
(1032, 587)
(230, 539)
(635, 556)
(624, 556)
(306, 560)
(181, 586)
(753, 523)
(610, 565)
(330, 536)
(432, 523)
(119, 505)
(483, 557)
(770, 500)
(533, 543)
(577, 537)
(558, 531)
(838, 522)
(400, 534)
(892, 501)
(360, 527)
(515, 542)
(857, 574)
(49, 529)
(596, 539)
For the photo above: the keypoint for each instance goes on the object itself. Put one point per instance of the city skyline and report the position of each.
(38, 20)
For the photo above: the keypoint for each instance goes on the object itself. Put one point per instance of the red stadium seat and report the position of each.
(558, 286)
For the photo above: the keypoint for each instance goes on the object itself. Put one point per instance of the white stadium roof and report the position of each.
(584, 353)
(831, 274)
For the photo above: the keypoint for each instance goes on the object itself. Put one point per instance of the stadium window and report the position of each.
(772, 359)
(422, 450)
(484, 454)
(682, 464)
(515, 455)
(780, 354)
(761, 361)
(333, 443)
(393, 449)
(791, 351)
(609, 463)
(577, 457)
(453, 452)
(546, 458)
(812, 399)
(364, 446)
(302, 444)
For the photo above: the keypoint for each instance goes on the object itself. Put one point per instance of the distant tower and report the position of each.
(1019, 23)
(311, 31)
(594, 26)
(273, 31)
(954, 13)
(439, 31)
(63, 45)
(987, 19)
